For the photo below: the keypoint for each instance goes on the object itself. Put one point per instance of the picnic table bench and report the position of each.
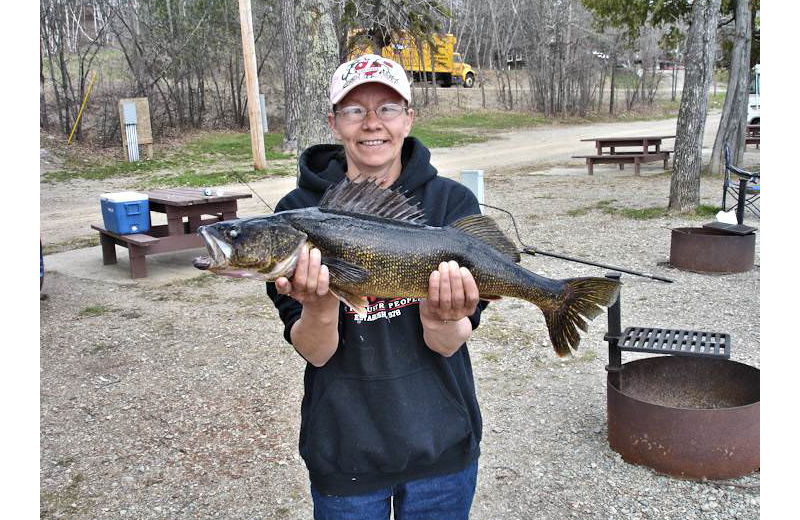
(641, 152)
(752, 135)
(177, 234)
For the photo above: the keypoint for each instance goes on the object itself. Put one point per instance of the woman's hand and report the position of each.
(452, 297)
(315, 335)
(452, 294)
(309, 284)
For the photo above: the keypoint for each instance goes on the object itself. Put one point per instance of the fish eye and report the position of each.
(233, 233)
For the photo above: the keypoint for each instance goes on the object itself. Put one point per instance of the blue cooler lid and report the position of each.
(124, 196)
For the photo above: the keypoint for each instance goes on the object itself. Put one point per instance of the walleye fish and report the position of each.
(375, 243)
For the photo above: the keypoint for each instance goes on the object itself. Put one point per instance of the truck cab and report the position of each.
(463, 70)
(754, 100)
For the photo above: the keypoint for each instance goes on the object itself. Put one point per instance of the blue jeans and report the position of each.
(446, 497)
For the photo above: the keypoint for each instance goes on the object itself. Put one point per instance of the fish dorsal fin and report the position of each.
(485, 229)
(367, 198)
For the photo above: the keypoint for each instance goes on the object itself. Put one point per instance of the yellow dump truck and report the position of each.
(447, 64)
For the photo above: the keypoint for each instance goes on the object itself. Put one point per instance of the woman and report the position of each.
(389, 417)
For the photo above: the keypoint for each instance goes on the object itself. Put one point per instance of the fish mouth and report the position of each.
(218, 249)
(219, 252)
(217, 261)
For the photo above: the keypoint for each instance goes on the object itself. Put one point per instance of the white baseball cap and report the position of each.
(369, 68)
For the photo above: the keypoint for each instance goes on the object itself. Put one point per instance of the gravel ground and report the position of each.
(182, 401)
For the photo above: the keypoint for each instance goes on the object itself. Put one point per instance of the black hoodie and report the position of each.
(385, 408)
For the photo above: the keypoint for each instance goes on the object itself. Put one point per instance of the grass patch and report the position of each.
(604, 205)
(492, 357)
(195, 179)
(715, 101)
(99, 172)
(642, 213)
(579, 212)
(237, 146)
(93, 310)
(702, 211)
(69, 245)
(432, 137)
(442, 132)
(487, 121)
(186, 160)
(607, 207)
(204, 280)
(65, 503)
(706, 210)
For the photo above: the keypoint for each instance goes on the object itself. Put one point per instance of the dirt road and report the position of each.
(547, 146)
(68, 209)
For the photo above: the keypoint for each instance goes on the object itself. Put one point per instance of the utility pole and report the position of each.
(251, 73)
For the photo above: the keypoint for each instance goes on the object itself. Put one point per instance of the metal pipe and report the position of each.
(612, 336)
(741, 201)
(532, 251)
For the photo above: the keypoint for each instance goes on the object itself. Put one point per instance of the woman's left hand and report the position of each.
(452, 294)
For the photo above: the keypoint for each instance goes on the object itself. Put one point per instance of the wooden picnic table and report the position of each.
(177, 235)
(641, 143)
(752, 136)
(637, 151)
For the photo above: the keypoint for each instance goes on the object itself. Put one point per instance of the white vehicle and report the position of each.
(754, 101)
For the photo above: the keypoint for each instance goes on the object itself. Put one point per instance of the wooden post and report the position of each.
(251, 72)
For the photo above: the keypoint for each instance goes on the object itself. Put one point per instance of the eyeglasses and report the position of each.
(356, 114)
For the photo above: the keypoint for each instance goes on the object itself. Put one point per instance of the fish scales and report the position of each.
(399, 257)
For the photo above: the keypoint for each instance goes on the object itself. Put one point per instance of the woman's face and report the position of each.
(372, 146)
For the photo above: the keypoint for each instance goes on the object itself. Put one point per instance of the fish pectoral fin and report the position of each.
(344, 271)
(354, 301)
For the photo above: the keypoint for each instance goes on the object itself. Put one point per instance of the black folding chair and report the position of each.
(733, 186)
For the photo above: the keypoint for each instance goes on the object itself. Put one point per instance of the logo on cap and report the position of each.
(365, 69)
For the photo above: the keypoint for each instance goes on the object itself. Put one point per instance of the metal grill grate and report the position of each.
(675, 342)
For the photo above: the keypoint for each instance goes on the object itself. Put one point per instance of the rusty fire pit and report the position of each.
(713, 250)
(692, 413)
(689, 417)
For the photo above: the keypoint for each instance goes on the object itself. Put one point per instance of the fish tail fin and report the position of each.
(580, 297)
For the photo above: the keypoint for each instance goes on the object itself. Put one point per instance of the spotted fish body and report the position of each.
(375, 244)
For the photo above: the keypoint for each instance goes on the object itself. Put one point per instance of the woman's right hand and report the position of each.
(315, 335)
(309, 284)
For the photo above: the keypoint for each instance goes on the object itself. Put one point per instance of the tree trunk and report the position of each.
(291, 81)
(434, 81)
(734, 111)
(43, 121)
(318, 59)
(684, 192)
(674, 90)
(375, 42)
(613, 86)
(602, 88)
(566, 59)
